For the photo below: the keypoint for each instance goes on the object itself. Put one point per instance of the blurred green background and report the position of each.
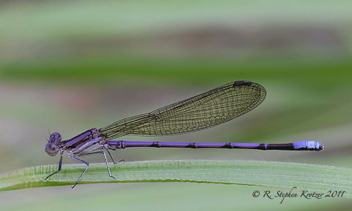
(69, 66)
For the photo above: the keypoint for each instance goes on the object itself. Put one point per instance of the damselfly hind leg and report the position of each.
(85, 162)
(123, 160)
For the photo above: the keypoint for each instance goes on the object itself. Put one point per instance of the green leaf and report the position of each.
(309, 177)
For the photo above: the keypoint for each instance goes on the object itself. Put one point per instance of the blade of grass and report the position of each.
(309, 177)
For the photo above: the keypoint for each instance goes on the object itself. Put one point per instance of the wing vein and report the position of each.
(202, 111)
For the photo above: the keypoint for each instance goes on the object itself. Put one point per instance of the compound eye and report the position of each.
(53, 145)
(55, 137)
(52, 149)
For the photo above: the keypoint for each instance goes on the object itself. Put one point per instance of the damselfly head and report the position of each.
(53, 145)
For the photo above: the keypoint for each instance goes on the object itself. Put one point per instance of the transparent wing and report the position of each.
(202, 111)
